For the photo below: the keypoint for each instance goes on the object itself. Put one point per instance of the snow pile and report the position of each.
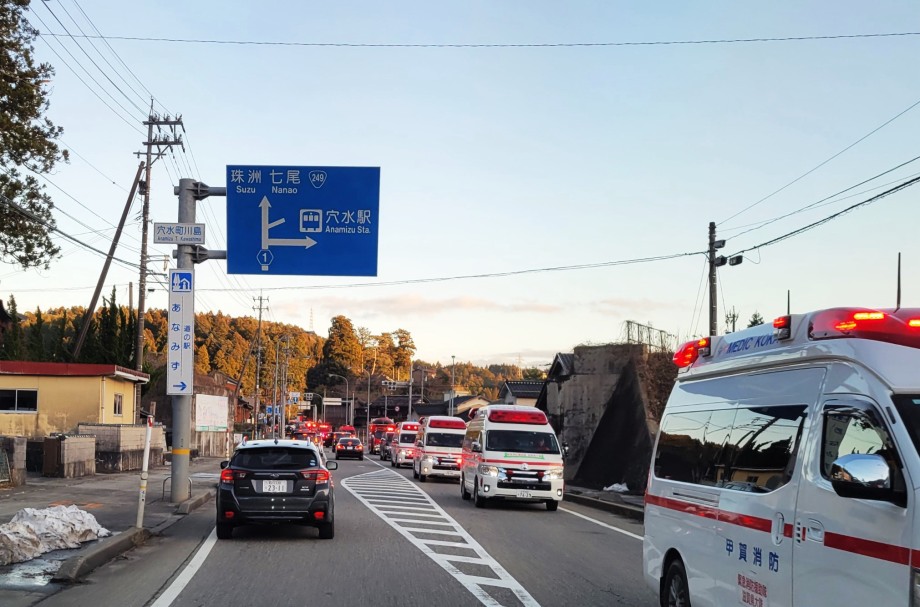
(618, 487)
(34, 532)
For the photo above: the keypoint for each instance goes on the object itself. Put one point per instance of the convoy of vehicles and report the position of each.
(376, 430)
(402, 447)
(262, 473)
(438, 447)
(510, 452)
(786, 468)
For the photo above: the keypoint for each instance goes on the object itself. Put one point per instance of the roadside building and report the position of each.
(523, 392)
(41, 398)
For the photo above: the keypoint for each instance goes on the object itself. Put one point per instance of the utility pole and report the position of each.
(409, 414)
(452, 365)
(255, 413)
(716, 261)
(275, 389)
(162, 141)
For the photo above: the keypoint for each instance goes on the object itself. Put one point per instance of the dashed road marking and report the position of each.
(390, 504)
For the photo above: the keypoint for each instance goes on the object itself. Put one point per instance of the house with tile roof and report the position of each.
(520, 392)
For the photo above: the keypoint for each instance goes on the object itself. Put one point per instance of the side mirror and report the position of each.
(565, 449)
(475, 447)
(864, 476)
(332, 465)
(224, 464)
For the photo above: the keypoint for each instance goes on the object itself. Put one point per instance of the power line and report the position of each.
(877, 197)
(810, 171)
(502, 45)
(94, 167)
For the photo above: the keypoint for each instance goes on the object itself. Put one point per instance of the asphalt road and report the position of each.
(399, 543)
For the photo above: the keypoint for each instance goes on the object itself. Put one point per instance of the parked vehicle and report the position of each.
(786, 468)
(402, 446)
(262, 473)
(438, 447)
(510, 452)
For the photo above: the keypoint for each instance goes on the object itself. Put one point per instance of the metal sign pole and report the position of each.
(142, 496)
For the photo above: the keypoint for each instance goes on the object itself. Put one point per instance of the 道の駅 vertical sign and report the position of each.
(180, 357)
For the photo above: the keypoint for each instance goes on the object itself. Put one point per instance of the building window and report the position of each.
(18, 400)
(119, 403)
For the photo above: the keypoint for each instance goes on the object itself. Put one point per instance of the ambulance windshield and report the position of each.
(909, 408)
(440, 439)
(518, 441)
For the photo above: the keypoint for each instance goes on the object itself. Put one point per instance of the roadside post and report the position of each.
(142, 496)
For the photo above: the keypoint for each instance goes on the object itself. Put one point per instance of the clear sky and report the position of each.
(497, 160)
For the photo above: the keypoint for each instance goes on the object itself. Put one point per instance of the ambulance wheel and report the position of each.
(675, 592)
(478, 500)
(414, 473)
(552, 505)
(392, 463)
(422, 477)
(464, 494)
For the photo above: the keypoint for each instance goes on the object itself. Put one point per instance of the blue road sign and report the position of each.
(288, 220)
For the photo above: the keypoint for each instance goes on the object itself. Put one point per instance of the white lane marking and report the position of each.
(596, 522)
(392, 514)
(170, 594)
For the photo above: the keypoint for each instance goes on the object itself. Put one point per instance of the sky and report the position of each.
(520, 175)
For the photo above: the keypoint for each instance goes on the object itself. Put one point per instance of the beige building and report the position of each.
(38, 398)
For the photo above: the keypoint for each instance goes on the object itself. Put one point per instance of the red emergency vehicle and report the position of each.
(377, 429)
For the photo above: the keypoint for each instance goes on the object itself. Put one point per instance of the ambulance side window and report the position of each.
(691, 444)
(848, 431)
(760, 456)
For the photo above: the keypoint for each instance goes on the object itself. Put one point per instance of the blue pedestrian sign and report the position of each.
(288, 220)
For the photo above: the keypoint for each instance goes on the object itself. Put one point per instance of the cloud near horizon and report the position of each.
(415, 305)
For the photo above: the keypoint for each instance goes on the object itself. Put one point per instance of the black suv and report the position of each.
(275, 481)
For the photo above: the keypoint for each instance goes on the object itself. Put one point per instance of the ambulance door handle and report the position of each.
(779, 526)
(814, 531)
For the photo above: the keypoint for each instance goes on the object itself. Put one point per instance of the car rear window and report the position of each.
(275, 458)
(349, 441)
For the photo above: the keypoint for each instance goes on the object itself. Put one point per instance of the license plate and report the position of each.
(274, 486)
(350, 448)
(525, 494)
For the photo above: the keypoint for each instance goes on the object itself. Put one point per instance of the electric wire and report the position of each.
(94, 167)
(698, 301)
(812, 170)
(505, 45)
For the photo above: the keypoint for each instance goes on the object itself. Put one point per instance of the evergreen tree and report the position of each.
(342, 348)
(405, 349)
(36, 345)
(59, 350)
(756, 319)
(12, 348)
(27, 144)
(202, 361)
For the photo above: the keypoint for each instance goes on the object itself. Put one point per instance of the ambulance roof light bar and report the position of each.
(900, 327)
(688, 353)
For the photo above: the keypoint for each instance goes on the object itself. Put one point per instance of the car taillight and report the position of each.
(226, 475)
(319, 476)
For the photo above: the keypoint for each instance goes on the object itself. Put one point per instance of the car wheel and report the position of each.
(464, 494)
(392, 463)
(477, 498)
(422, 477)
(414, 472)
(361, 457)
(552, 505)
(327, 531)
(675, 592)
(224, 531)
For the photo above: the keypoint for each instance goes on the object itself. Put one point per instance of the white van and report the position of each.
(786, 469)
(438, 447)
(402, 447)
(511, 452)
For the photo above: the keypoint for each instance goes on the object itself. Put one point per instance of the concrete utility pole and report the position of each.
(255, 413)
(452, 365)
(189, 192)
(162, 141)
(409, 414)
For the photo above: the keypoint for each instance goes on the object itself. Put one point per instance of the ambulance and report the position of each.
(438, 447)
(786, 468)
(402, 447)
(510, 452)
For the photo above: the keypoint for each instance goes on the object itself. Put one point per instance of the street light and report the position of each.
(346, 391)
(367, 427)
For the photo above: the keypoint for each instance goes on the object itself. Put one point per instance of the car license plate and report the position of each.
(274, 486)
(350, 448)
(525, 494)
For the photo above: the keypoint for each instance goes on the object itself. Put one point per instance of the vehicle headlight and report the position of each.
(552, 474)
(429, 459)
(488, 470)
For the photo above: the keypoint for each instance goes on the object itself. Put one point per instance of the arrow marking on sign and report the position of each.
(181, 385)
(305, 242)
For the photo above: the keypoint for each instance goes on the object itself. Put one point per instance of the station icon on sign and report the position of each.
(311, 220)
(181, 282)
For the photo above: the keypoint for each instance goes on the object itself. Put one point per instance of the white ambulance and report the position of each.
(438, 447)
(402, 447)
(511, 452)
(786, 468)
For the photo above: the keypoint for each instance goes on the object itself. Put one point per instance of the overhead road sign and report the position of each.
(180, 356)
(302, 221)
(178, 233)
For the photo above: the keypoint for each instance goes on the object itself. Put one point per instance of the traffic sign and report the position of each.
(289, 220)
(332, 402)
(178, 233)
(180, 356)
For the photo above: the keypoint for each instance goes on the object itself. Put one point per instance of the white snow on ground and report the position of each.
(618, 487)
(33, 532)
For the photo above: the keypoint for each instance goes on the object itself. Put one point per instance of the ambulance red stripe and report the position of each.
(847, 543)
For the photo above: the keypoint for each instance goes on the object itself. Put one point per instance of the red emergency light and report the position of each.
(518, 417)
(410, 426)
(900, 327)
(447, 423)
(691, 351)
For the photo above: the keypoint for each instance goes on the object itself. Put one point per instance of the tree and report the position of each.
(36, 346)
(756, 319)
(12, 347)
(202, 361)
(27, 142)
(342, 349)
(405, 349)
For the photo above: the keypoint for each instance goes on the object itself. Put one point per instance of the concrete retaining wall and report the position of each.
(120, 447)
(15, 447)
(78, 456)
(210, 444)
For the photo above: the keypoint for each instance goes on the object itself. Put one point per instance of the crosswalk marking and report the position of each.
(387, 493)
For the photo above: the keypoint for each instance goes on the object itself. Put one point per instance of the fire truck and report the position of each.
(377, 429)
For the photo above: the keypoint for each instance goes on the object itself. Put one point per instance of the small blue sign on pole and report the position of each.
(290, 220)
